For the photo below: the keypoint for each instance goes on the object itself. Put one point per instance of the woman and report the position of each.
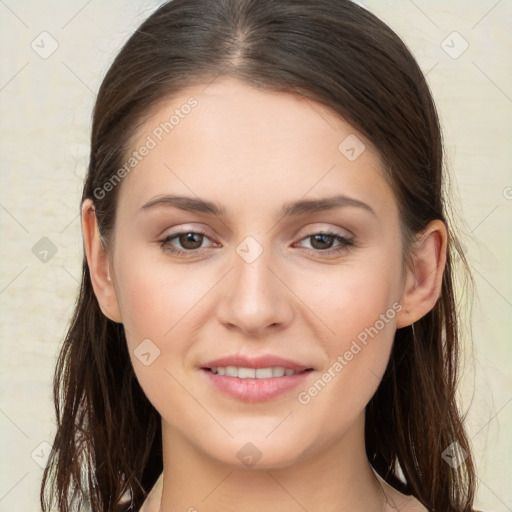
(267, 314)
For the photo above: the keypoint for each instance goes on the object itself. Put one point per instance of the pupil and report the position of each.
(188, 238)
(322, 239)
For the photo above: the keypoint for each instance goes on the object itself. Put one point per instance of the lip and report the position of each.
(263, 361)
(255, 390)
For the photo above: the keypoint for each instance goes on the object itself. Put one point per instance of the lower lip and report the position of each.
(255, 390)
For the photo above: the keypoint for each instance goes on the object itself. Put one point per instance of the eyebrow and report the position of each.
(296, 208)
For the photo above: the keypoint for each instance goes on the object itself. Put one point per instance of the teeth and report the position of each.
(246, 373)
(278, 372)
(231, 371)
(264, 373)
(252, 373)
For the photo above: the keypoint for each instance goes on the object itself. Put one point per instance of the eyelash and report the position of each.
(345, 243)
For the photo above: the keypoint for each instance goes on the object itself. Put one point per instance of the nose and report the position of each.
(254, 298)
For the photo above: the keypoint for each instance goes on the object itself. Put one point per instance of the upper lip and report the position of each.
(264, 361)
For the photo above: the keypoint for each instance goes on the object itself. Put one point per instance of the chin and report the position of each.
(255, 451)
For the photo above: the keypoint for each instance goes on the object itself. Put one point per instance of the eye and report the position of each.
(190, 241)
(322, 242)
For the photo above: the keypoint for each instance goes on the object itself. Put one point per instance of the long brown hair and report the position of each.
(108, 438)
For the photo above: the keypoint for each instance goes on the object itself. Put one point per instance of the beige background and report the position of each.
(45, 112)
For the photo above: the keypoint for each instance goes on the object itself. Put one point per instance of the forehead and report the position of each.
(233, 144)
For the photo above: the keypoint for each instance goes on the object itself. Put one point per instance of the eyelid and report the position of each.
(181, 230)
(319, 227)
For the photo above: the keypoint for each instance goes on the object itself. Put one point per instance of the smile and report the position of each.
(253, 373)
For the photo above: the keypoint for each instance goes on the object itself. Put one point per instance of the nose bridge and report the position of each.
(251, 266)
(254, 297)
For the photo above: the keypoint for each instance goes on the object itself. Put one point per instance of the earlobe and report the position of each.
(424, 279)
(99, 264)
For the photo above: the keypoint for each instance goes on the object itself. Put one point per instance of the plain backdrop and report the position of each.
(54, 55)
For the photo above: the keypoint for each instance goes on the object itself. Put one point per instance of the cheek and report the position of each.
(163, 307)
(143, 302)
(357, 356)
(358, 306)
(156, 304)
(352, 297)
(156, 299)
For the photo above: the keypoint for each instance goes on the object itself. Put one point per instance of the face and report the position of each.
(259, 285)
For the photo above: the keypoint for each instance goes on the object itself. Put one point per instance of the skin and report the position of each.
(253, 151)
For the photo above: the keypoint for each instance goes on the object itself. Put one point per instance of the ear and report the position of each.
(424, 280)
(99, 264)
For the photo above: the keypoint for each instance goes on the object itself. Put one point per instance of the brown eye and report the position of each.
(323, 242)
(191, 240)
(183, 242)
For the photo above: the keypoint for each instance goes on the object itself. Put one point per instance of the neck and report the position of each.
(338, 478)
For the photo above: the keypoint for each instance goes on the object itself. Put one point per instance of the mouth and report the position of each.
(268, 372)
(256, 380)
